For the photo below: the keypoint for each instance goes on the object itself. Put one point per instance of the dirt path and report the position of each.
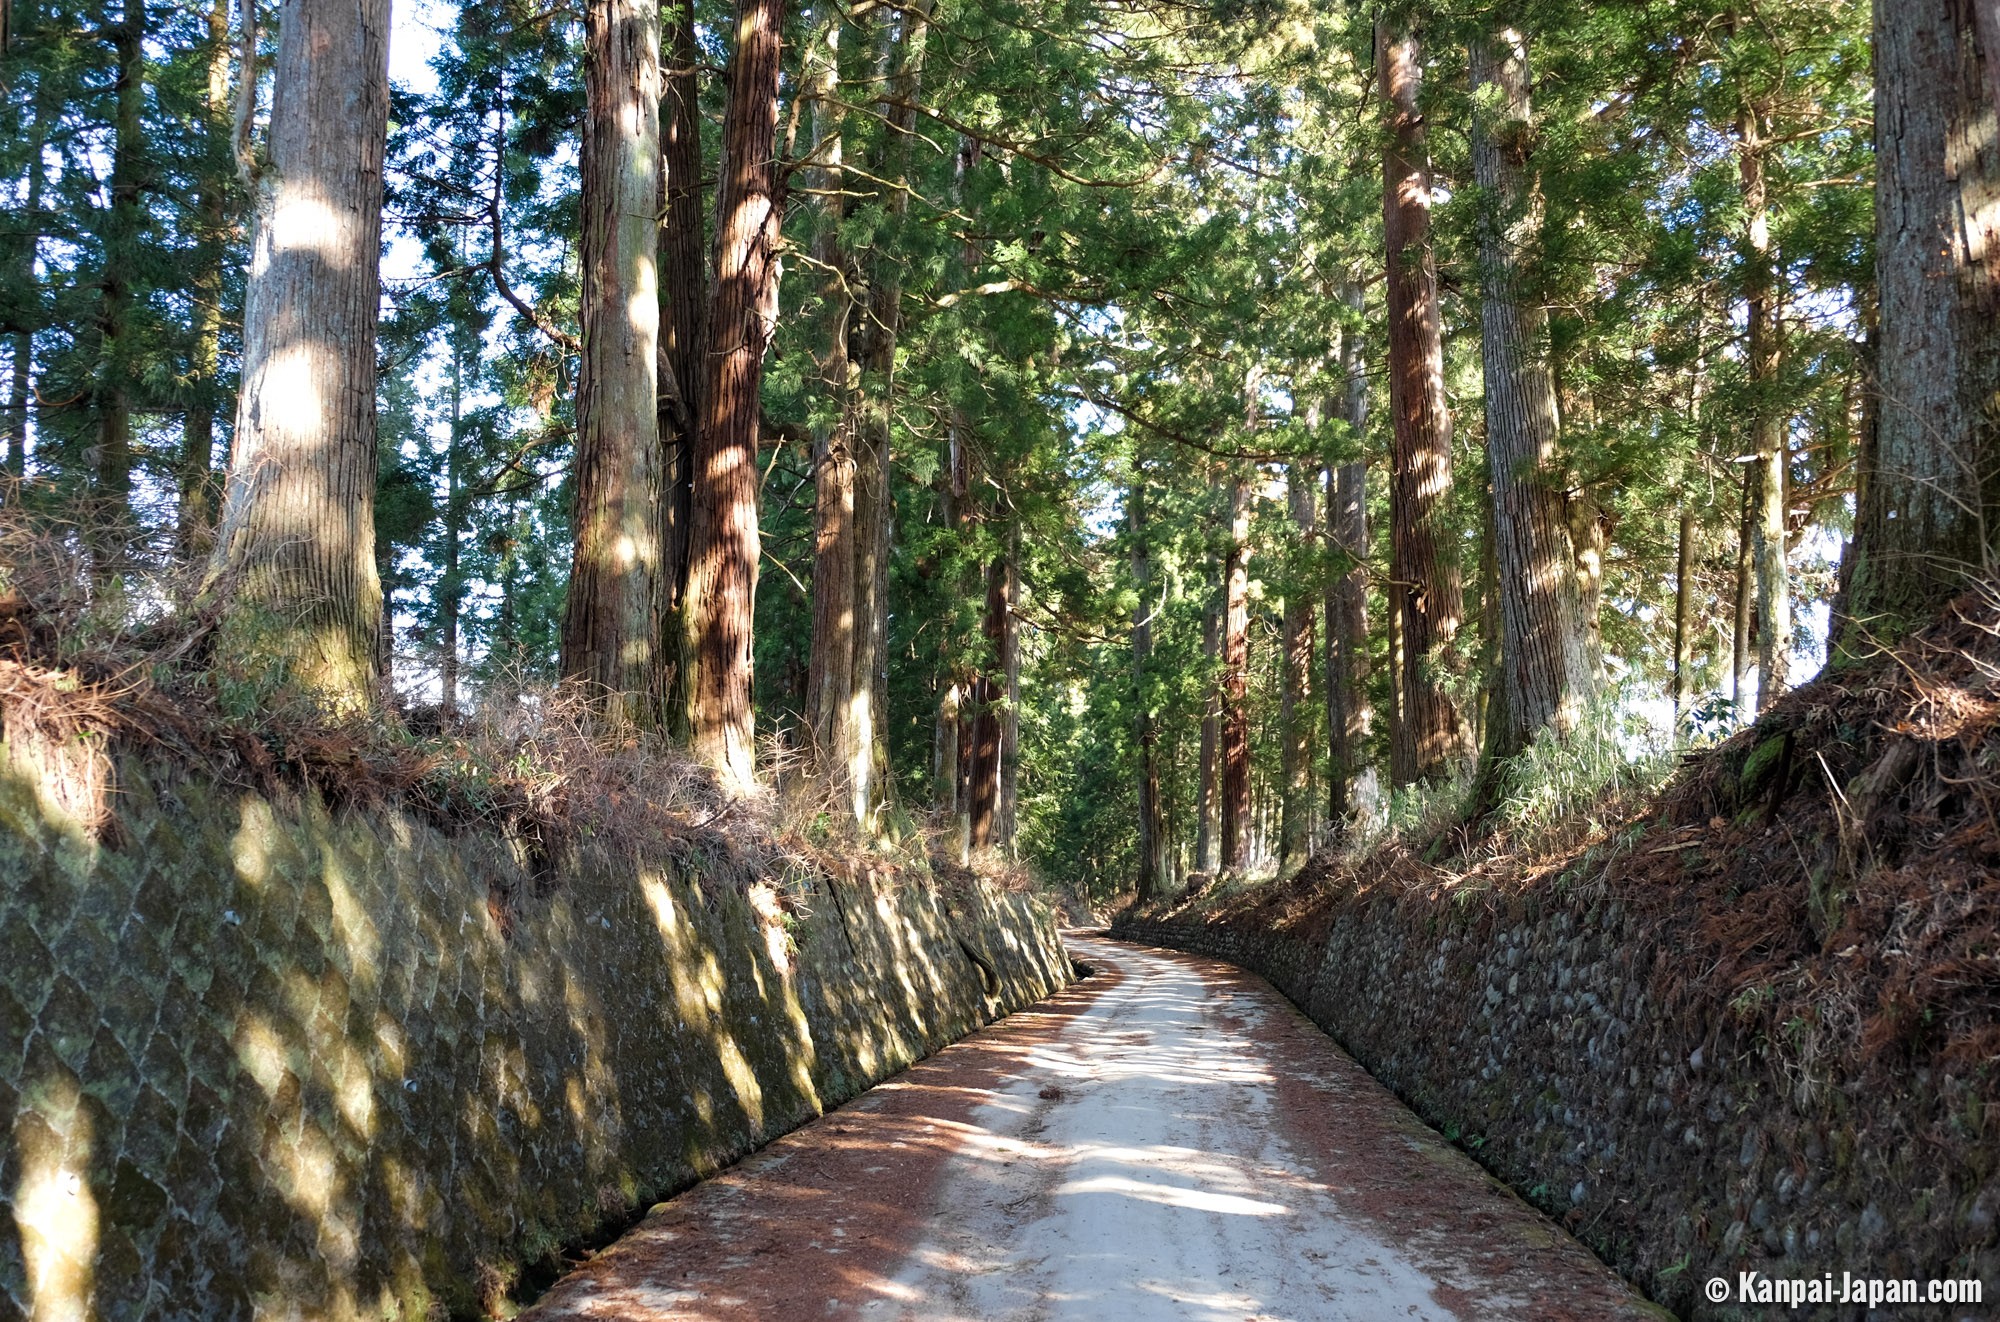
(1168, 1139)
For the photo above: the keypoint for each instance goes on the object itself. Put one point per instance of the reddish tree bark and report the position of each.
(1207, 856)
(1295, 717)
(1236, 683)
(1423, 563)
(723, 534)
(683, 325)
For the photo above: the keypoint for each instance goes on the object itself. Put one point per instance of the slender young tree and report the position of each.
(111, 452)
(195, 514)
(1349, 718)
(830, 679)
(984, 743)
(294, 560)
(899, 68)
(1006, 814)
(1683, 611)
(20, 373)
(1743, 604)
(1295, 711)
(1766, 475)
(723, 535)
(683, 270)
(1153, 867)
(1208, 835)
(956, 690)
(1424, 570)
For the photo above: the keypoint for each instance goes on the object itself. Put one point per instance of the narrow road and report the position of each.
(1169, 1138)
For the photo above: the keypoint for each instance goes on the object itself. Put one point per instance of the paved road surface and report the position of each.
(1169, 1138)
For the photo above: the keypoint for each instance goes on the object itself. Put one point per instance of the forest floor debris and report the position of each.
(85, 680)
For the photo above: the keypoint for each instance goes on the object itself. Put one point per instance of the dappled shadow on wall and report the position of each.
(258, 1057)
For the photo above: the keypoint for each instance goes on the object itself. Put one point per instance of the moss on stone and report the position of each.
(294, 1056)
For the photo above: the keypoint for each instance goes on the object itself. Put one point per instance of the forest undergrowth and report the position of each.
(87, 677)
(1830, 874)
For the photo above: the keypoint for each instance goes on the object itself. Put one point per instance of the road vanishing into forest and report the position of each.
(1169, 1138)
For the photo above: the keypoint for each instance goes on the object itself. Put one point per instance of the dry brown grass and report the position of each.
(89, 675)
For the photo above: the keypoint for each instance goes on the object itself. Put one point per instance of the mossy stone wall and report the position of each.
(270, 1060)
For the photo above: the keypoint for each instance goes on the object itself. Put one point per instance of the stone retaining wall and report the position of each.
(1529, 1034)
(267, 1060)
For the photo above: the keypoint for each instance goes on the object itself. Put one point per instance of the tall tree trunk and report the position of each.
(723, 534)
(1402, 753)
(1236, 682)
(1925, 525)
(830, 678)
(1296, 805)
(1869, 405)
(958, 651)
(1546, 670)
(1767, 425)
(683, 333)
(1424, 564)
(983, 779)
(959, 705)
(1684, 568)
(295, 550)
(1488, 717)
(1207, 858)
(944, 746)
(451, 583)
(1010, 698)
(195, 516)
(20, 381)
(506, 638)
(1348, 717)
(112, 516)
(900, 66)
(1153, 864)
(1740, 617)
(1683, 609)
(20, 376)
(610, 632)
